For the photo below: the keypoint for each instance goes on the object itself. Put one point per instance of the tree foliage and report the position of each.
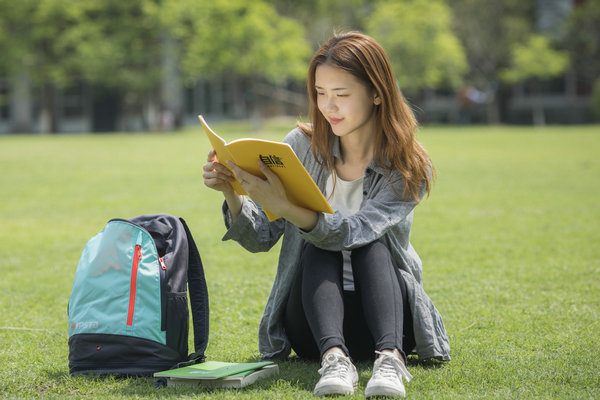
(488, 30)
(245, 38)
(121, 43)
(60, 41)
(418, 38)
(99, 50)
(583, 40)
(535, 59)
(322, 18)
(14, 35)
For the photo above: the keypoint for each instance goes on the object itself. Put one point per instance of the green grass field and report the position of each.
(509, 240)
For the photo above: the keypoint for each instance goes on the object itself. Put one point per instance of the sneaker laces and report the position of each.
(335, 365)
(389, 366)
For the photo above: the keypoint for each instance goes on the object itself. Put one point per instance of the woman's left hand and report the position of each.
(268, 193)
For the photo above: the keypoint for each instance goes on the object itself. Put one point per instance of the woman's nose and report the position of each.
(331, 105)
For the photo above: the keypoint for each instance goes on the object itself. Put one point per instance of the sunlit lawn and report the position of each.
(509, 240)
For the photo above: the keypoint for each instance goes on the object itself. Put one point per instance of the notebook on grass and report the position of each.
(219, 374)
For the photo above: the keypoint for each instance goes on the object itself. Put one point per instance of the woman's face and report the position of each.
(346, 102)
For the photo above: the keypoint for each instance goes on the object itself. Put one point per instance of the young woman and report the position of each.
(348, 285)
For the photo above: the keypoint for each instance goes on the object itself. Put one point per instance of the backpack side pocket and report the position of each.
(178, 322)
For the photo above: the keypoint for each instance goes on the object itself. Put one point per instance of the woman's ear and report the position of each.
(377, 100)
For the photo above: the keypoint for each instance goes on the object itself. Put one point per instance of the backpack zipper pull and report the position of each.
(162, 264)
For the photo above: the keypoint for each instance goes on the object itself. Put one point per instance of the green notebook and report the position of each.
(212, 370)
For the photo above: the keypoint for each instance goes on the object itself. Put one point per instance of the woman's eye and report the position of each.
(342, 95)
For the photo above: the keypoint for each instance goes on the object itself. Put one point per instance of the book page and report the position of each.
(223, 154)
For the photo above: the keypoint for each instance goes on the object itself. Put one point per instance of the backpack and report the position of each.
(128, 309)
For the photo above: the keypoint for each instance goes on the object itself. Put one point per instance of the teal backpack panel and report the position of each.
(117, 286)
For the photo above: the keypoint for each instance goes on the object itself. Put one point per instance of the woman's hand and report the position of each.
(216, 175)
(270, 195)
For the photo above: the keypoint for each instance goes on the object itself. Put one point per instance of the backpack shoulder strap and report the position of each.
(198, 298)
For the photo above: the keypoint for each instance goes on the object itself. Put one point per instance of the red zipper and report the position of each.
(137, 255)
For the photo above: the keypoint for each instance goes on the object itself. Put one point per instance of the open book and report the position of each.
(218, 374)
(300, 188)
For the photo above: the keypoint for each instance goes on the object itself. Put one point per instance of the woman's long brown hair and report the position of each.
(396, 146)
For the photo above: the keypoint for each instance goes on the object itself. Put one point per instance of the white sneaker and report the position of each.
(386, 381)
(338, 375)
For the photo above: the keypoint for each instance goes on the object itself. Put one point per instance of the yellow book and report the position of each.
(300, 189)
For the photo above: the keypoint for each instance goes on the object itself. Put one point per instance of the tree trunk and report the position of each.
(493, 111)
(539, 116)
(152, 113)
(49, 114)
(22, 105)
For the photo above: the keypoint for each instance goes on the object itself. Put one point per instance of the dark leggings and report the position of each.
(320, 314)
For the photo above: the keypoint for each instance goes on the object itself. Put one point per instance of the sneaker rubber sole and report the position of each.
(380, 390)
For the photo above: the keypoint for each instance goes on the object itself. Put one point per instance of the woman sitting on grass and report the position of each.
(348, 285)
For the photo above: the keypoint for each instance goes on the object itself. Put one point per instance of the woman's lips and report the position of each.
(335, 121)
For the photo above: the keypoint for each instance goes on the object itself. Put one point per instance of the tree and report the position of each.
(583, 40)
(15, 38)
(418, 38)
(27, 51)
(126, 47)
(537, 60)
(117, 47)
(596, 100)
(235, 36)
(107, 43)
(488, 30)
(322, 18)
(14, 34)
(247, 43)
(583, 44)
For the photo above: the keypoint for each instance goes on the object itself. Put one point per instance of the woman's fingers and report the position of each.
(212, 154)
(216, 175)
(270, 175)
(212, 164)
(240, 175)
(210, 173)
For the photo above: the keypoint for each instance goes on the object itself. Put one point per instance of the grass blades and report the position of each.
(508, 238)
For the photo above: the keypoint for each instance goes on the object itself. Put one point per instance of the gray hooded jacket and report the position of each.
(383, 215)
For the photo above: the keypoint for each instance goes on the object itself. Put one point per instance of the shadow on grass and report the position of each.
(298, 373)
(295, 375)
(430, 363)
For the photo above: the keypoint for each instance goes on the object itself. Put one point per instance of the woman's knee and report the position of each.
(374, 253)
(315, 257)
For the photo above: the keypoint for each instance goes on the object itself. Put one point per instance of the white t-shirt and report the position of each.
(347, 197)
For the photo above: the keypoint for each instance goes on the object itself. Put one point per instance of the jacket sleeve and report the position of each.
(382, 211)
(252, 229)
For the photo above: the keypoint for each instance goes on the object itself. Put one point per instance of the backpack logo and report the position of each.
(84, 325)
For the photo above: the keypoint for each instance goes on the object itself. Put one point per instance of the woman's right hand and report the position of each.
(216, 175)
